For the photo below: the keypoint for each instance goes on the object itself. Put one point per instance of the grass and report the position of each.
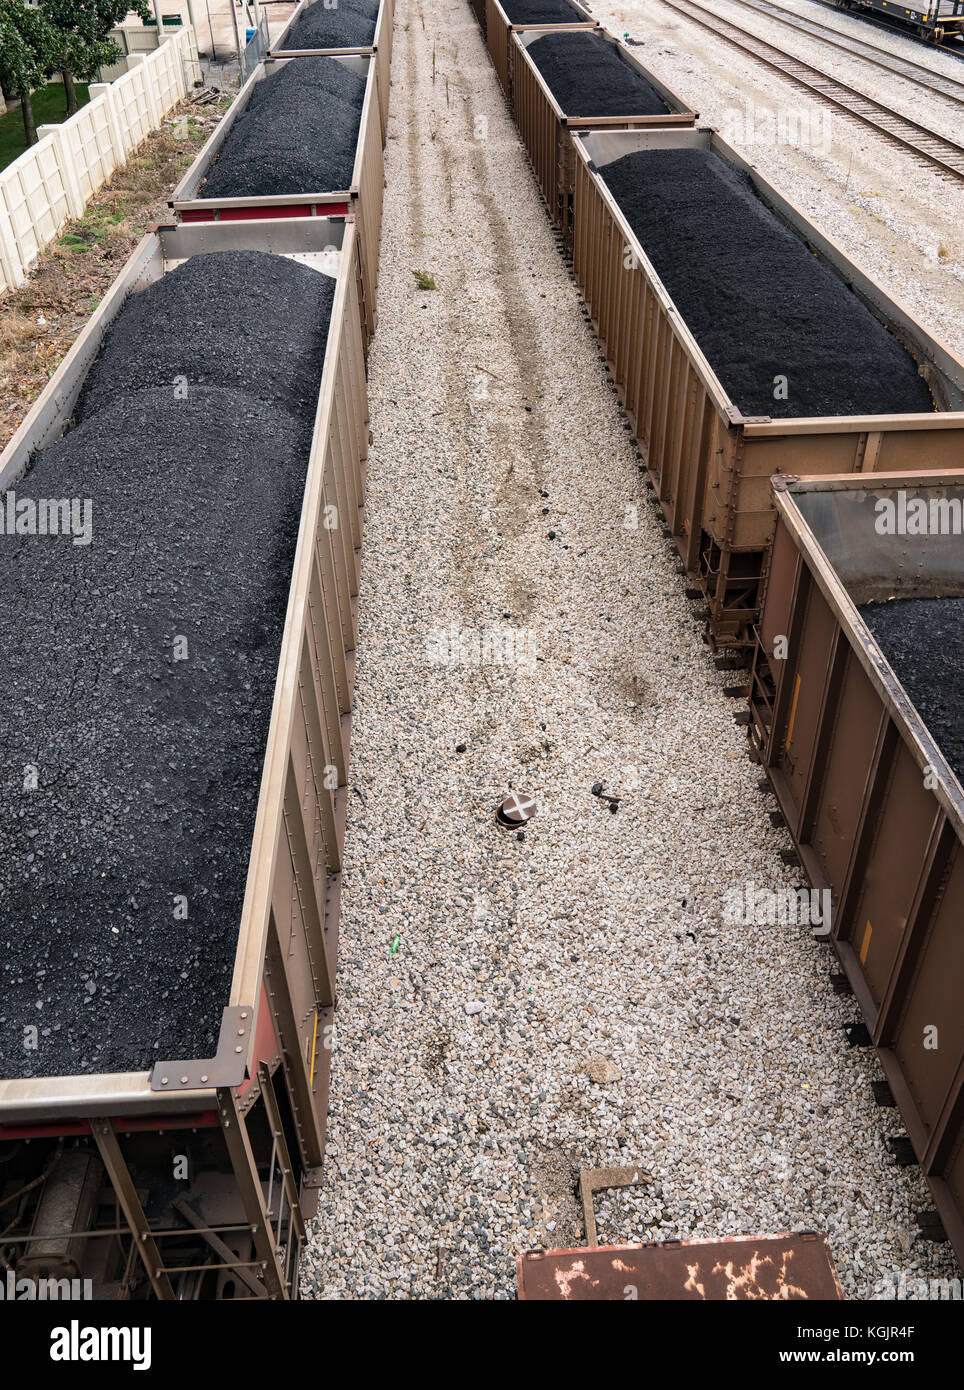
(424, 280)
(49, 107)
(96, 223)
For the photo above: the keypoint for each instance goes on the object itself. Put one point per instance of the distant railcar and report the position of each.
(936, 21)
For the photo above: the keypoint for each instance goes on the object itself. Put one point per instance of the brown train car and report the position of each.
(499, 29)
(362, 201)
(547, 130)
(380, 48)
(868, 792)
(710, 464)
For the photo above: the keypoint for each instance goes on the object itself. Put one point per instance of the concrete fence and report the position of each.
(53, 180)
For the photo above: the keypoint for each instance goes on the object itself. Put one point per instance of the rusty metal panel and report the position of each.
(876, 811)
(712, 467)
(736, 1268)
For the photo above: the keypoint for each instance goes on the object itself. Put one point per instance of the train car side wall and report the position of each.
(870, 826)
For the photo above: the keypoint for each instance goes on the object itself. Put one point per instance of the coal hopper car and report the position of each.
(174, 765)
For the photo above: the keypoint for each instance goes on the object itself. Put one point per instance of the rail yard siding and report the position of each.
(52, 181)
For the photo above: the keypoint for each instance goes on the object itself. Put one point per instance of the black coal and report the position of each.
(239, 319)
(760, 304)
(541, 12)
(297, 134)
(350, 24)
(130, 763)
(588, 78)
(923, 640)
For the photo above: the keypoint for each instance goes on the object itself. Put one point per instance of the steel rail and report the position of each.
(906, 68)
(923, 143)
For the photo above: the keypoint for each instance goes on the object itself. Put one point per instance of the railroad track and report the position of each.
(936, 150)
(917, 73)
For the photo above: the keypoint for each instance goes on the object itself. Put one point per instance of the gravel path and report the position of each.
(511, 1011)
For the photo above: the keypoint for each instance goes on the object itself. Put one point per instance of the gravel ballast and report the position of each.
(299, 136)
(351, 24)
(759, 303)
(587, 78)
(511, 1011)
(244, 320)
(148, 766)
(923, 640)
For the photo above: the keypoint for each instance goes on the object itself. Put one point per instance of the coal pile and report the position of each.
(541, 12)
(321, 77)
(587, 78)
(138, 680)
(350, 25)
(243, 320)
(923, 640)
(759, 303)
(297, 134)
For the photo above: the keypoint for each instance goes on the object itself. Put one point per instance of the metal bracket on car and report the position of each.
(228, 1068)
(597, 1180)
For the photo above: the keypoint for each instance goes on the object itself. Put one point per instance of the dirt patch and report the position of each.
(555, 1178)
(41, 320)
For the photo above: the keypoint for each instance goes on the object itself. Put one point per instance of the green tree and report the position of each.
(81, 31)
(28, 49)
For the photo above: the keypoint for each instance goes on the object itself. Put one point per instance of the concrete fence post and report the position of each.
(106, 90)
(65, 164)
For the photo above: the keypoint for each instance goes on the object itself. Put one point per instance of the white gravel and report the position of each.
(621, 1020)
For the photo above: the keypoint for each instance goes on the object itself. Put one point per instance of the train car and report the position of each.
(194, 201)
(855, 706)
(167, 1174)
(546, 127)
(505, 17)
(290, 43)
(709, 457)
(937, 22)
